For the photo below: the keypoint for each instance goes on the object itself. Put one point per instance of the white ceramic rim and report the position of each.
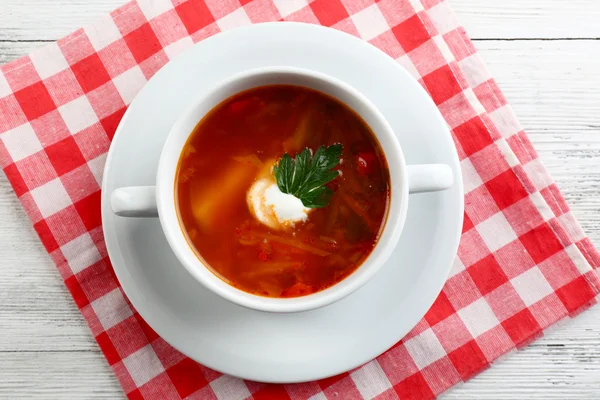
(182, 129)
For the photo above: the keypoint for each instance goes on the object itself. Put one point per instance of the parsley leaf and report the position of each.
(306, 175)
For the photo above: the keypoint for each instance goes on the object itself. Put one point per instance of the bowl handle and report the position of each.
(134, 201)
(429, 178)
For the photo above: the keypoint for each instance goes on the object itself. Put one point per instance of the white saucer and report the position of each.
(283, 347)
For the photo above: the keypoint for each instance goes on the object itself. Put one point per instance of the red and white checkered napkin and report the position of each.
(523, 262)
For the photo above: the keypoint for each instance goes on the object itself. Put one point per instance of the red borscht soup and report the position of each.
(282, 191)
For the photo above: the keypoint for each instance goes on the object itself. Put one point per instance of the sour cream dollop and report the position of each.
(272, 207)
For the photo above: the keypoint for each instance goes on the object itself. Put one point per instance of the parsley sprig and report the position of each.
(306, 175)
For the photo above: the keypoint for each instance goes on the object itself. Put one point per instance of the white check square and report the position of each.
(475, 72)
(457, 267)
(78, 114)
(111, 309)
(496, 232)
(425, 348)
(531, 286)
(287, 7)
(51, 197)
(4, 88)
(143, 365)
(370, 22)
(80, 253)
(538, 174)
(471, 179)
(154, 8)
(48, 60)
(478, 317)
(21, 142)
(443, 18)
(234, 20)
(103, 32)
(505, 121)
(230, 388)
(176, 48)
(370, 380)
(97, 167)
(129, 83)
(409, 66)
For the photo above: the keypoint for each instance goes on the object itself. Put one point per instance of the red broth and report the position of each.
(223, 157)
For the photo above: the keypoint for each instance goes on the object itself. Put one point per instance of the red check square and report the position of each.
(107, 347)
(16, 180)
(142, 42)
(576, 294)
(271, 392)
(88, 209)
(90, 73)
(468, 360)
(65, 155)
(195, 15)
(414, 387)
(411, 33)
(329, 12)
(541, 243)
(441, 309)
(35, 100)
(111, 122)
(442, 85)
(77, 292)
(187, 376)
(522, 327)
(467, 223)
(487, 274)
(506, 189)
(473, 136)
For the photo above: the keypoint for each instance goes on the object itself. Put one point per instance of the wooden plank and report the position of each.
(509, 19)
(50, 20)
(57, 375)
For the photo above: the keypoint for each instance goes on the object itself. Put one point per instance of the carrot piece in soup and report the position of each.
(299, 289)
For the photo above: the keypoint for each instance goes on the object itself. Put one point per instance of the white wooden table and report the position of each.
(545, 55)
